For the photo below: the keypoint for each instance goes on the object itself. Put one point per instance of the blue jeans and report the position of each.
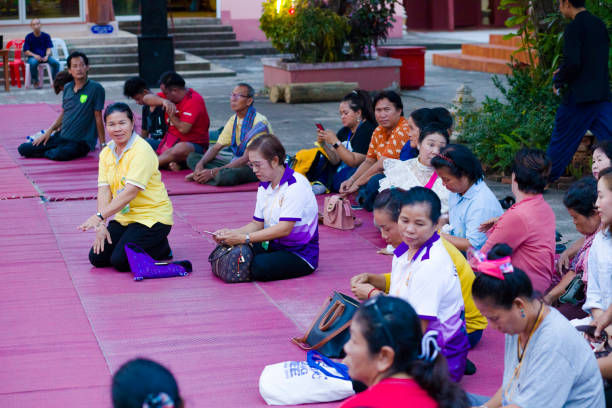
(34, 67)
(57, 148)
(198, 148)
(571, 123)
(368, 192)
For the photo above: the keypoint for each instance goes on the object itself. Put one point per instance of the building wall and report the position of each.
(244, 15)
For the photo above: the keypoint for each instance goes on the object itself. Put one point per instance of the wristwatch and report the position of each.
(247, 239)
(336, 145)
(99, 214)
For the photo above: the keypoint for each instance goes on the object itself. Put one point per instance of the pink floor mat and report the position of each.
(47, 347)
(215, 337)
(176, 185)
(13, 184)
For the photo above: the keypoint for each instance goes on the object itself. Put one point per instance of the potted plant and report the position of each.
(329, 41)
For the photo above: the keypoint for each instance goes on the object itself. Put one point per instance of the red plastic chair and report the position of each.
(16, 64)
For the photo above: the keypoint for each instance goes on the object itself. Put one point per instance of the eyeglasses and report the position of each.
(238, 96)
(372, 304)
(255, 165)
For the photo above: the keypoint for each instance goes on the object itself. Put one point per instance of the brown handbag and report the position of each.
(329, 330)
(337, 213)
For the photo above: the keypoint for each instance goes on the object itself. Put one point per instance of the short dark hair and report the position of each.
(171, 78)
(60, 81)
(392, 96)
(577, 3)
(605, 147)
(433, 128)
(134, 86)
(531, 168)
(442, 116)
(462, 162)
(581, 196)
(77, 54)
(360, 100)
(434, 117)
(139, 378)
(422, 195)
(502, 292)
(269, 146)
(119, 107)
(388, 316)
(390, 200)
(250, 90)
(421, 117)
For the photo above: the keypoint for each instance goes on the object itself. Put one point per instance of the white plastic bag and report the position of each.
(303, 382)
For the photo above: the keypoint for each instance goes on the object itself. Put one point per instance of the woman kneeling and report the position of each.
(285, 223)
(402, 367)
(131, 189)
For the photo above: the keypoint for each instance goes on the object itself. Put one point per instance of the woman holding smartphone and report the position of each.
(284, 229)
(347, 148)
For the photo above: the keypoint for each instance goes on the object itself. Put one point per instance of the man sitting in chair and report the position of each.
(225, 163)
(37, 47)
(187, 121)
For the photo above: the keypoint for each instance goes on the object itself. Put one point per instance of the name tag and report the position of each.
(83, 98)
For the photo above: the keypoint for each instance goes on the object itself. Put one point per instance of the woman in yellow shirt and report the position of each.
(131, 190)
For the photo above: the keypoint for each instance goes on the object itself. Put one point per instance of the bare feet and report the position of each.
(174, 166)
(189, 177)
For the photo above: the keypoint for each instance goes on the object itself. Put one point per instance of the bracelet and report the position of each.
(370, 292)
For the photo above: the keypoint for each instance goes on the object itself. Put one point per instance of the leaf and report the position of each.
(515, 20)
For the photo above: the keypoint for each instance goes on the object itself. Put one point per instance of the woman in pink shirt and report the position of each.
(528, 227)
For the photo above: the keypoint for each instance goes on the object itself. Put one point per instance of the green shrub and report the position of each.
(370, 22)
(526, 118)
(312, 34)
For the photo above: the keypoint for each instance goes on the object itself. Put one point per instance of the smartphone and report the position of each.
(319, 126)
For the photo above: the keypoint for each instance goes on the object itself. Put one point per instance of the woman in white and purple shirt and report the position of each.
(285, 224)
(423, 274)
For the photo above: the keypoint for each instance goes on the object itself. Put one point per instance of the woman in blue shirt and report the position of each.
(471, 202)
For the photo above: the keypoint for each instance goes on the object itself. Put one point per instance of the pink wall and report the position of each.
(244, 15)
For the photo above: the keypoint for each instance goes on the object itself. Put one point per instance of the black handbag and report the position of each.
(329, 330)
(232, 263)
(574, 292)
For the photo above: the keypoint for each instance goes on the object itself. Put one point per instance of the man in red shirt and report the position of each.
(187, 119)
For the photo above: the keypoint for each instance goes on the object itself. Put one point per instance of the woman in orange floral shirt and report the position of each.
(388, 139)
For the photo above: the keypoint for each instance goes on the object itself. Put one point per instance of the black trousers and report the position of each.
(277, 265)
(153, 240)
(57, 148)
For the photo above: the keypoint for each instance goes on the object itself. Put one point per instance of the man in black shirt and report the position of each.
(584, 83)
(153, 119)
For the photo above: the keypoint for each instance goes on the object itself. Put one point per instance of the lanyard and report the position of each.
(520, 355)
(351, 134)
